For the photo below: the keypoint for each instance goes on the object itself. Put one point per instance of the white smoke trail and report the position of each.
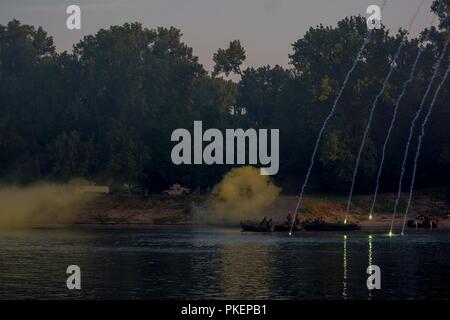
(419, 144)
(327, 119)
(366, 131)
(391, 127)
(324, 125)
(372, 111)
(411, 131)
(394, 119)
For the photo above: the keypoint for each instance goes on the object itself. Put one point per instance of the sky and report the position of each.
(266, 28)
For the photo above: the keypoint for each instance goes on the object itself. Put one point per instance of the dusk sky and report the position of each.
(266, 28)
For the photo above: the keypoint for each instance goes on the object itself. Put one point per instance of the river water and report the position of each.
(214, 263)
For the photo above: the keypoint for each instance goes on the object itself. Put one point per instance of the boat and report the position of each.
(252, 226)
(285, 227)
(422, 222)
(317, 225)
(327, 226)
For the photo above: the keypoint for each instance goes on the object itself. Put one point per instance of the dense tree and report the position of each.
(229, 60)
(258, 93)
(106, 111)
(27, 57)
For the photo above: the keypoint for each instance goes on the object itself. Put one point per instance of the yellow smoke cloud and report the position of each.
(243, 194)
(40, 205)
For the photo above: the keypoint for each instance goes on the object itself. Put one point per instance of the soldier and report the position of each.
(289, 218)
(263, 222)
(297, 220)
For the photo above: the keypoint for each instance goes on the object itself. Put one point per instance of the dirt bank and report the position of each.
(128, 209)
(165, 210)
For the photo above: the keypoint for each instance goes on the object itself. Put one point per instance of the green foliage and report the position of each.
(259, 90)
(229, 60)
(70, 155)
(106, 111)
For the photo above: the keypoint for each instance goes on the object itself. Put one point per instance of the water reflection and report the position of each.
(344, 281)
(247, 272)
(370, 259)
(196, 263)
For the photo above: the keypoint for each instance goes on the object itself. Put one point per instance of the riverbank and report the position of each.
(130, 209)
(165, 210)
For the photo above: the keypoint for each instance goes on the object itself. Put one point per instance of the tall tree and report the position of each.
(229, 60)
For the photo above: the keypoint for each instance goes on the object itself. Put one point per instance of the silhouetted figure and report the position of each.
(263, 222)
(297, 220)
(289, 218)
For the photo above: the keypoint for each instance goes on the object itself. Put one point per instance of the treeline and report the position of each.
(106, 111)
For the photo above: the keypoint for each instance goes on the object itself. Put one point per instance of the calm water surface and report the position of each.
(200, 263)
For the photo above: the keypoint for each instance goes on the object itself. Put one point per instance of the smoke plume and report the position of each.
(39, 205)
(243, 194)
